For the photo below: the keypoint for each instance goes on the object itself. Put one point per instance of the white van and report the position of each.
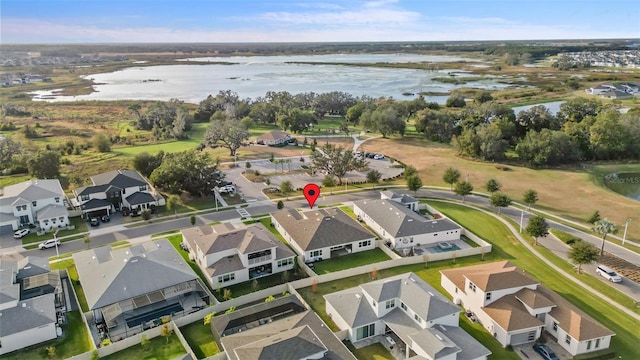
(607, 273)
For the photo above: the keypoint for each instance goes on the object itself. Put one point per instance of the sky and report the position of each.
(121, 21)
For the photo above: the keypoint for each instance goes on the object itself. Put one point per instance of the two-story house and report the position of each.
(410, 312)
(322, 234)
(403, 227)
(114, 190)
(29, 296)
(33, 202)
(230, 255)
(515, 308)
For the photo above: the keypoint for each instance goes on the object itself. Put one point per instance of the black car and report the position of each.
(105, 218)
(94, 221)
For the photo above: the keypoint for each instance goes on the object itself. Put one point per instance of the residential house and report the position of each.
(132, 288)
(322, 234)
(418, 319)
(33, 202)
(402, 227)
(114, 190)
(274, 138)
(29, 296)
(280, 329)
(230, 255)
(515, 308)
(404, 199)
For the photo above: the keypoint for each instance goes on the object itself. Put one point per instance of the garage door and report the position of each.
(6, 229)
(523, 338)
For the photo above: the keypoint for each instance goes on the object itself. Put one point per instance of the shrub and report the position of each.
(280, 205)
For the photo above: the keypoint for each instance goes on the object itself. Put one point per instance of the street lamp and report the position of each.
(626, 224)
(55, 241)
(521, 220)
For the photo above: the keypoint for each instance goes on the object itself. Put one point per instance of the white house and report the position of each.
(29, 293)
(274, 138)
(322, 234)
(515, 308)
(414, 315)
(402, 227)
(228, 255)
(114, 190)
(404, 199)
(32, 202)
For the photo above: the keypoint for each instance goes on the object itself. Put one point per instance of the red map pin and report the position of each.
(311, 193)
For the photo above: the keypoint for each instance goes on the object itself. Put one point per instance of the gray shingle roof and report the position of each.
(398, 220)
(52, 211)
(293, 344)
(139, 197)
(435, 343)
(225, 265)
(32, 266)
(109, 276)
(29, 314)
(120, 178)
(31, 190)
(95, 204)
(470, 347)
(96, 189)
(352, 307)
(318, 229)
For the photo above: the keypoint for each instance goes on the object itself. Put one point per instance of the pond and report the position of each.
(627, 184)
(253, 77)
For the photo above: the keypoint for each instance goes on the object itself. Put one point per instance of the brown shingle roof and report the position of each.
(500, 279)
(457, 276)
(533, 299)
(510, 314)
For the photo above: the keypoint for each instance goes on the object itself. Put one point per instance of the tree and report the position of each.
(595, 217)
(101, 142)
(336, 161)
(374, 273)
(583, 253)
(191, 171)
(384, 120)
(436, 125)
(146, 214)
(483, 97)
(269, 298)
(451, 176)
(463, 189)
(226, 294)
(280, 205)
(166, 331)
(173, 201)
(328, 181)
(604, 227)
(51, 352)
(537, 227)
(44, 165)
(145, 163)
(228, 132)
(8, 149)
(286, 188)
(530, 197)
(493, 185)
(548, 147)
(144, 342)
(414, 183)
(192, 220)
(87, 240)
(500, 200)
(456, 100)
(374, 176)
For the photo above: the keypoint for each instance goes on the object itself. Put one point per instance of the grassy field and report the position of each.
(350, 261)
(507, 247)
(158, 349)
(372, 352)
(200, 339)
(76, 341)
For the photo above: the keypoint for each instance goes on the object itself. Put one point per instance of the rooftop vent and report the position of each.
(134, 260)
(439, 338)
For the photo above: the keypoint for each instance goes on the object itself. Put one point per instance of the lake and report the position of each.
(253, 76)
(627, 184)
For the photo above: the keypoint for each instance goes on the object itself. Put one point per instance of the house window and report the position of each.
(46, 222)
(61, 218)
(417, 318)
(24, 207)
(143, 187)
(34, 203)
(531, 336)
(226, 277)
(285, 262)
(589, 345)
(390, 304)
(84, 197)
(555, 326)
(472, 286)
(403, 306)
(568, 340)
(57, 199)
(597, 343)
(364, 243)
(18, 208)
(487, 296)
(365, 331)
(316, 253)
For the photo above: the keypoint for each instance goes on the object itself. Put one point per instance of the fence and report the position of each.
(183, 340)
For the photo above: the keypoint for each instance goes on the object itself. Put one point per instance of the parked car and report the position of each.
(21, 233)
(371, 155)
(49, 244)
(608, 273)
(94, 221)
(105, 218)
(378, 157)
(545, 352)
(226, 189)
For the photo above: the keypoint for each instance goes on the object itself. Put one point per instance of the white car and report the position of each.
(226, 189)
(21, 233)
(608, 273)
(49, 244)
(378, 157)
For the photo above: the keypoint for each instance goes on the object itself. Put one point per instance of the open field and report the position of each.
(568, 192)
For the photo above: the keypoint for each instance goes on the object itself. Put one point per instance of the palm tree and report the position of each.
(604, 227)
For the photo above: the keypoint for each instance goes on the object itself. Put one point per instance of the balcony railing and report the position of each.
(260, 259)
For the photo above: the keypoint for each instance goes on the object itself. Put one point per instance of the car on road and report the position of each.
(49, 244)
(21, 233)
(378, 157)
(608, 273)
(226, 189)
(105, 218)
(545, 352)
(94, 221)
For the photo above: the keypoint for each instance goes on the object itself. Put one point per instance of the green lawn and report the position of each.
(70, 265)
(563, 236)
(196, 135)
(80, 227)
(76, 341)
(350, 261)
(200, 339)
(261, 284)
(506, 246)
(484, 337)
(372, 352)
(159, 349)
